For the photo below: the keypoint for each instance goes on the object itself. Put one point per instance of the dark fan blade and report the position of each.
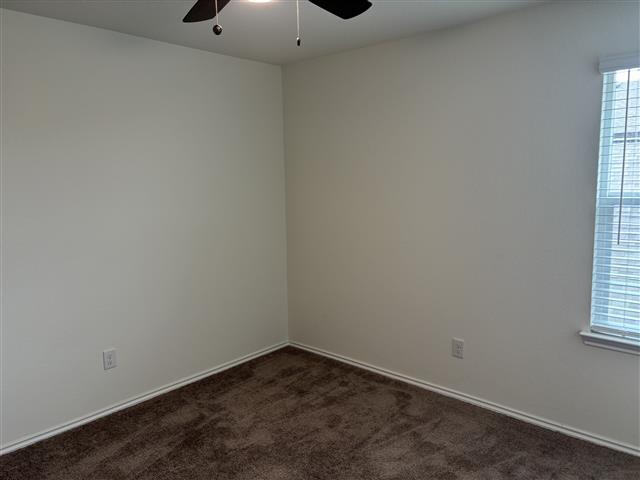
(344, 8)
(204, 10)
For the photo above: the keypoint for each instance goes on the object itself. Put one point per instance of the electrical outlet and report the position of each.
(457, 348)
(109, 359)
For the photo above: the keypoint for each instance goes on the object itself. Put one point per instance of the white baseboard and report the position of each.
(529, 418)
(23, 442)
(526, 417)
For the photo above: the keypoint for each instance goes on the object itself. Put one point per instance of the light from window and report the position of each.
(615, 298)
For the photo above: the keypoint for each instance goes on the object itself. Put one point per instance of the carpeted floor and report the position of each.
(295, 415)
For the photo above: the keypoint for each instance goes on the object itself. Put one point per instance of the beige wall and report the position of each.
(143, 209)
(443, 186)
(438, 186)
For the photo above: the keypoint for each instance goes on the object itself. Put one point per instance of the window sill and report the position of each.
(611, 342)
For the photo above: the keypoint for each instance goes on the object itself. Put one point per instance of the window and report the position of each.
(615, 297)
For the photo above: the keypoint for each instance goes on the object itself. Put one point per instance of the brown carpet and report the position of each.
(295, 415)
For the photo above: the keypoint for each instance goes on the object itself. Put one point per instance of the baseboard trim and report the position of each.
(480, 402)
(26, 441)
(526, 417)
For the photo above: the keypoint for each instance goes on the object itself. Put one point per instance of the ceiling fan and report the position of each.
(208, 9)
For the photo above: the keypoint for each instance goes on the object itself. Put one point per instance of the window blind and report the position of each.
(615, 302)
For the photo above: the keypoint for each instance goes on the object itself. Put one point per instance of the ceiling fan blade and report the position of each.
(204, 10)
(344, 9)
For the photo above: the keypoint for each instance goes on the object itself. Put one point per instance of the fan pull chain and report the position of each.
(298, 40)
(624, 155)
(217, 28)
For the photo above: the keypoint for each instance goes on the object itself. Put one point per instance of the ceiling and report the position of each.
(267, 31)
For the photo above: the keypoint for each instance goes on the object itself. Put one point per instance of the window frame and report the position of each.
(599, 335)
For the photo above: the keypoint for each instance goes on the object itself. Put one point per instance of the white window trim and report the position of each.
(611, 342)
(589, 336)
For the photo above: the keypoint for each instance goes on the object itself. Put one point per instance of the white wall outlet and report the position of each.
(109, 359)
(457, 348)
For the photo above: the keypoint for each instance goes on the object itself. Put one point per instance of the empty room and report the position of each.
(320, 240)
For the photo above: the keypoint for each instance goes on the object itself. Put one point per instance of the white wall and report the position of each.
(443, 186)
(438, 186)
(143, 209)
